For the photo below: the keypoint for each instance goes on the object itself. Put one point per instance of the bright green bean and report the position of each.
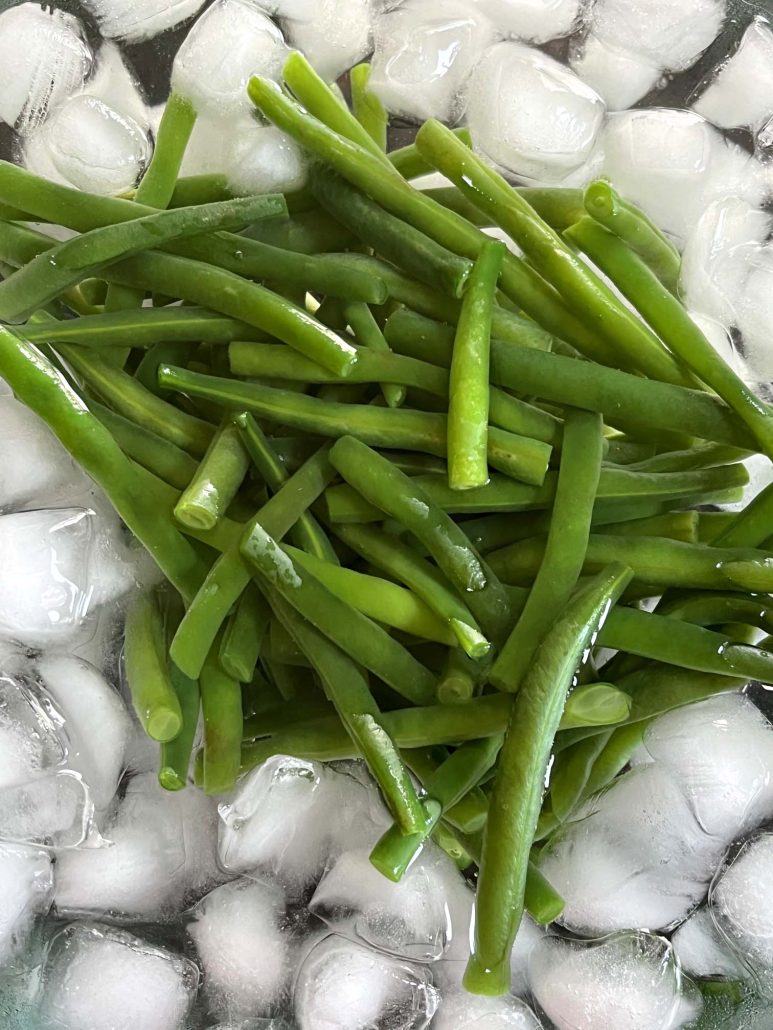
(216, 482)
(243, 636)
(567, 541)
(368, 333)
(221, 704)
(176, 754)
(366, 106)
(595, 704)
(153, 696)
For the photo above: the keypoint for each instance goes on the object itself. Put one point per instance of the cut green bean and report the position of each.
(468, 407)
(366, 106)
(571, 773)
(356, 635)
(368, 333)
(410, 164)
(520, 780)
(567, 541)
(396, 241)
(221, 703)
(243, 636)
(176, 754)
(153, 696)
(397, 496)
(174, 132)
(222, 470)
(200, 189)
(595, 704)
(634, 228)
(670, 319)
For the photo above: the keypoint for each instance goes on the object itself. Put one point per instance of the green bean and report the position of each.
(701, 456)
(469, 809)
(356, 635)
(200, 189)
(368, 334)
(448, 785)
(460, 677)
(618, 748)
(634, 228)
(402, 563)
(309, 232)
(164, 459)
(624, 451)
(160, 178)
(394, 852)
(367, 108)
(274, 361)
(657, 562)
(716, 609)
(409, 162)
(323, 103)
(307, 532)
(468, 391)
(365, 171)
(751, 527)
(559, 207)
(676, 525)
(216, 482)
(282, 648)
(347, 687)
(221, 703)
(133, 492)
(176, 754)
(520, 457)
(625, 339)
(520, 780)
(571, 772)
(66, 264)
(144, 328)
(567, 541)
(379, 599)
(153, 696)
(595, 704)
(626, 401)
(243, 636)
(229, 576)
(395, 494)
(325, 739)
(398, 242)
(667, 316)
(128, 398)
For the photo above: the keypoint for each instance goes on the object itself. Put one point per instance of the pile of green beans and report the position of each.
(408, 491)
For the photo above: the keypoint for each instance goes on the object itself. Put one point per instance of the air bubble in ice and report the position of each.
(424, 56)
(531, 115)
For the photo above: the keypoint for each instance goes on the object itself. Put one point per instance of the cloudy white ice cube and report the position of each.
(533, 21)
(115, 84)
(416, 919)
(26, 888)
(618, 76)
(741, 93)
(424, 55)
(740, 903)
(242, 947)
(263, 159)
(134, 20)
(101, 978)
(531, 115)
(674, 164)
(333, 34)
(630, 981)
(345, 986)
(703, 951)
(229, 43)
(754, 315)
(44, 59)
(462, 1011)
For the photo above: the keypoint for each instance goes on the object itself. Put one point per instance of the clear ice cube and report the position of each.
(26, 889)
(533, 21)
(99, 978)
(531, 115)
(135, 20)
(333, 34)
(741, 93)
(344, 986)
(44, 59)
(424, 55)
(703, 951)
(619, 77)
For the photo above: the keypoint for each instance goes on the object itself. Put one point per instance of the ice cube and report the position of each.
(288, 818)
(740, 905)
(619, 77)
(424, 56)
(721, 339)
(53, 810)
(675, 163)
(35, 466)
(59, 565)
(135, 20)
(716, 261)
(754, 315)
(703, 951)
(137, 873)
(99, 978)
(411, 919)
(243, 951)
(44, 59)
(333, 34)
(96, 721)
(31, 733)
(742, 90)
(230, 42)
(26, 888)
(629, 981)
(263, 159)
(720, 752)
(533, 21)
(463, 1011)
(670, 33)
(344, 986)
(635, 856)
(115, 84)
(89, 145)
(531, 115)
